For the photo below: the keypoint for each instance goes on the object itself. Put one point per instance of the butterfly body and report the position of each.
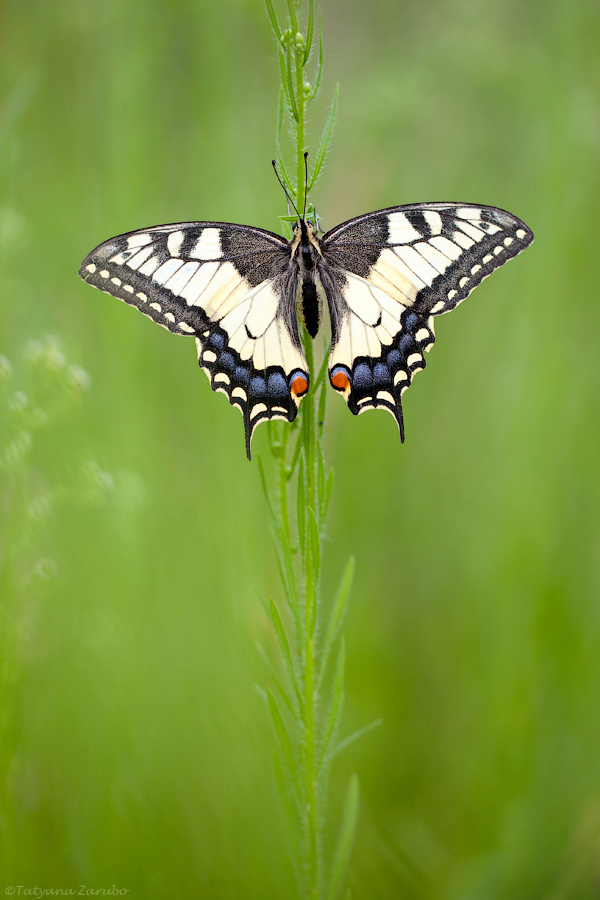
(239, 291)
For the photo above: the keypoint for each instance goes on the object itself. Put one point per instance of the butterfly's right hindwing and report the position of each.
(233, 289)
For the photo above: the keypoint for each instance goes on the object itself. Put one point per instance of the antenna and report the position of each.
(305, 182)
(274, 164)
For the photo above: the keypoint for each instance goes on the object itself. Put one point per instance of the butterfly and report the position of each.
(238, 290)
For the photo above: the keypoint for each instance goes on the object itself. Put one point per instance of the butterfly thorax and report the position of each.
(306, 253)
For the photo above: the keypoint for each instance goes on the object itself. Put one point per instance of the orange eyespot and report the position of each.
(298, 384)
(339, 379)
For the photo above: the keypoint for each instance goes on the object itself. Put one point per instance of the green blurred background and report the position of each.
(136, 750)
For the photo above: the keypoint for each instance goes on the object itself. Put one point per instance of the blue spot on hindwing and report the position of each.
(394, 358)
(362, 379)
(258, 387)
(216, 340)
(277, 388)
(381, 375)
(226, 362)
(241, 376)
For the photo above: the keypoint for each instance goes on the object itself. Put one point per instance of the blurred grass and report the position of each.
(142, 754)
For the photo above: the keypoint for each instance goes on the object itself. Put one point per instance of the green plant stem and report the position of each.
(306, 728)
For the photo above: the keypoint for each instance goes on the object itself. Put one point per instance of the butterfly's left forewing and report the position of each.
(388, 273)
(232, 288)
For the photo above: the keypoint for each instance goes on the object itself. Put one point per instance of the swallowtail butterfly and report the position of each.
(236, 289)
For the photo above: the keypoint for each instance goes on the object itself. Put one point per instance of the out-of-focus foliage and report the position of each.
(138, 752)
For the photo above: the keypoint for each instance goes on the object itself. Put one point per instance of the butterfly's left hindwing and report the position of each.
(388, 273)
(232, 288)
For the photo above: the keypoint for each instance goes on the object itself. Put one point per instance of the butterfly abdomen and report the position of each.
(310, 301)
(310, 307)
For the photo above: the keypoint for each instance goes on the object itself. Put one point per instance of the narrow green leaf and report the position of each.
(281, 168)
(319, 75)
(322, 371)
(322, 405)
(320, 481)
(265, 488)
(262, 600)
(288, 582)
(280, 688)
(261, 692)
(301, 508)
(355, 736)
(334, 712)
(282, 733)
(325, 142)
(297, 452)
(328, 493)
(315, 543)
(336, 617)
(287, 792)
(310, 28)
(292, 882)
(291, 90)
(345, 840)
(287, 86)
(348, 895)
(284, 646)
(273, 17)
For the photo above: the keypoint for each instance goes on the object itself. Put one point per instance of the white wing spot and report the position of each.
(151, 266)
(209, 356)
(156, 306)
(174, 242)
(169, 317)
(168, 268)
(469, 213)
(438, 260)
(475, 269)
(257, 410)
(447, 247)
(90, 268)
(116, 281)
(400, 376)
(185, 327)
(413, 358)
(422, 335)
(475, 233)
(401, 230)
(134, 262)
(521, 234)
(508, 241)
(452, 295)
(498, 251)
(141, 296)
(221, 377)
(440, 304)
(487, 258)
(460, 238)
(208, 245)
(128, 288)
(104, 273)
(384, 395)
(434, 220)
(239, 392)
(462, 282)
(138, 240)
